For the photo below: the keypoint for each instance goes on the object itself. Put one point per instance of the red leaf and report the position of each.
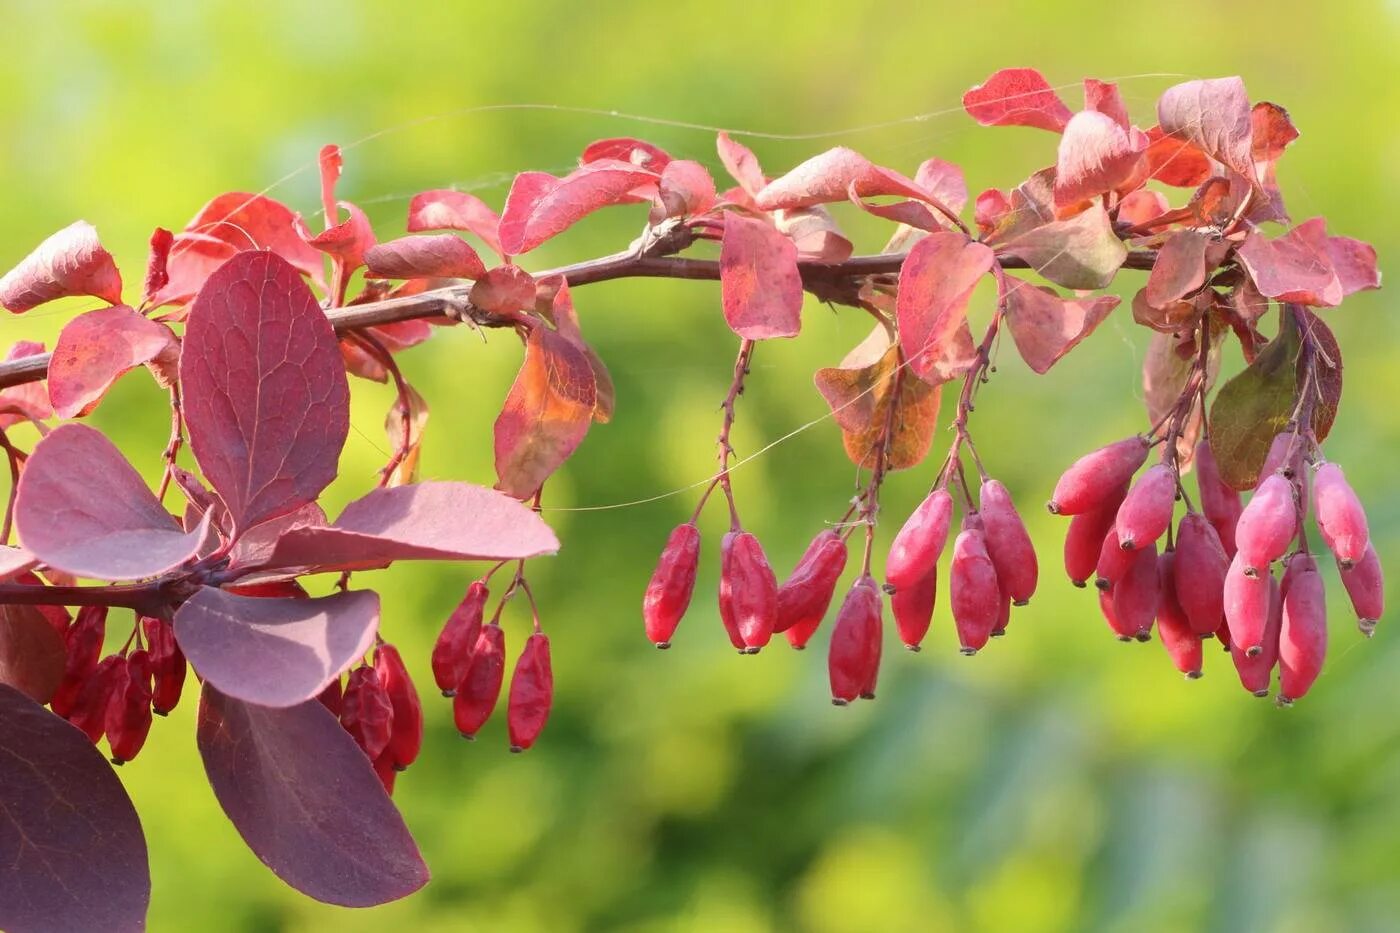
(546, 414)
(440, 255)
(94, 350)
(945, 181)
(1213, 115)
(193, 258)
(815, 234)
(554, 302)
(15, 561)
(1103, 96)
(443, 209)
(83, 510)
(1180, 268)
(1175, 161)
(32, 653)
(1046, 326)
(504, 291)
(28, 401)
(1017, 97)
(1295, 267)
(266, 399)
(71, 262)
(255, 546)
(75, 856)
(626, 149)
(307, 802)
(250, 222)
(991, 209)
(1354, 262)
(541, 206)
(685, 189)
(935, 283)
(275, 652)
(1271, 131)
(1082, 252)
(829, 176)
(347, 241)
(760, 283)
(157, 273)
(1096, 156)
(741, 164)
(1141, 206)
(421, 521)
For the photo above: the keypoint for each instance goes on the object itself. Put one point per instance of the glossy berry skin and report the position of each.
(1302, 642)
(83, 641)
(1267, 524)
(1110, 615)
(1114, 560)
(920, 541)
(452, 652)
(1008, 543)
(1178, 637)
(1092, 478)
(366, 712)
(1365, 585)
(748, 591)
(531, 693)
(805, 596)
(1219, 502)
(974, 594)
(1137, 594)
(128, 718)
(1199, 579)
(853, 659)
(167, 664)
(406, 740)
(912, 607)
(1257, 671)
(672, 584)
(1084, 538)
(1246, 606)
(480, 687)
(1340, 517)
(1146, 513)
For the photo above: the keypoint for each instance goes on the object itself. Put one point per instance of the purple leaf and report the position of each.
(266, 397)
(71, 262)
(421, 521)
(32, 653)
(75, 856)
(15, 561)
(307, 802)
(84, 510)
(275, 652)
(1294, 267)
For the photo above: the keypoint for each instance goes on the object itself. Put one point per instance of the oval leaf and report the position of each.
(541, 206)
(307, 802)
(94, 350)
(71, 262)
(935, 283)
(75, 856)
(546, 414)
(760, 283)
(266, 399)
(32, 653)
(1082, 252)
(1017, 97)
(1214, 116)
(445, 209)
(254, 222)
(1046, 326)
(440, 255)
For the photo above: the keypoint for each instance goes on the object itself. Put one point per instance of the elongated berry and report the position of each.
(480, 687)
(1146, 513)
(1246, 606)
(853, 659)
(672, 584)
(366, 712)
(1340, 517)
(406, 738)
(168, 666)
(912, 607)
(1267, 524)
(1219, 501)
(748, 601)
(1092, 478)
(1110, 615)
(1199, 577)
(1138, 593)
(919, 542)
(805, 595)
(974, 594)
(332, 698)
(1302, 640)
(386, 772)
(128, 718)
(1114, 560)
(1365, 585)
(89, 712)
(1003, 614)
(452, 652)
(1085, 535)
(1255, 671)
(1285, 456)
(83, 642)
(1008, 543)
(1178, 637)
(531, 693)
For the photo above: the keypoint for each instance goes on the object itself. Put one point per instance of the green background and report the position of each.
(1060, 780)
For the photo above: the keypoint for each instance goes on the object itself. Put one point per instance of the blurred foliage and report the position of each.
(1061, 781)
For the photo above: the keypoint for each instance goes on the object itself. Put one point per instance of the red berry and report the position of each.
(1220, 503)
(1137, 594)
(167, 662)
(1110, 615)
(1146, 513)
(480, 687)
(83, 641)
(1008, 543)
(1302, 642)
(1003, 615)
(1340, 517)
(89, 712)
(1285, 454)
(386, 772)
(1257, 670)
(1201, 565)
(1091, 479)
(920, 541)
(974, 594)
(1246, 606)
(672, 584)
(407, 737)
(452, 652)
(332, 698)
(1114, 560)
(1365, 584)
(1178, 636)
(748, 592)
(1267, 524)
(531, 693)
(913, 609)
(366, 712)
(128, 718)
(805, 596)
(853, 660)
(1084, 538)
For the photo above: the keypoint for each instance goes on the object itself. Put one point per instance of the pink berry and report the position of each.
(1137, 594)
(1302, 642)
(1146, 513)
(975, 596)
(806, 595)
(1092, 478)
(748, 600)
(1201, 565)
(672, 584)
(480, 688)
(920, 541)
(1257, 670)
(1340, 517)
(1267, 524)
(1365, 584)
(1084, 538)
(1246, 606)
(1114, 561)
(1110, 615)
(1285, 455)
(913, 609)
(1178, 637)
(853, 660)
(1008, 543)
(1220, 503)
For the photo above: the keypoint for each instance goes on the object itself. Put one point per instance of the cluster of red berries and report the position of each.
(116, 695)
(469, 660)
(378, 705)
(1214, 576)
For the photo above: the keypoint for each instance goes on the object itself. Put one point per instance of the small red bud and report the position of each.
(406, 739)
(1340, 517)
(672, 584)
(1146, 513)
(1178, 636)
(367, 712)
(805, 596)
(531, 693)
(1246, 606)
(748, 592)
(853, 660)
(1201, 566)
(1008, 543)
(919, 542)
(974, 594)
(1257, 670)
(1085, 535)
(1267, 524)
(1091, 479)
(452, 652)
(480, 687)
(1302, 641)
(1365, 584)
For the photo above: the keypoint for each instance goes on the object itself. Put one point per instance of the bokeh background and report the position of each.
(1060, 780)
